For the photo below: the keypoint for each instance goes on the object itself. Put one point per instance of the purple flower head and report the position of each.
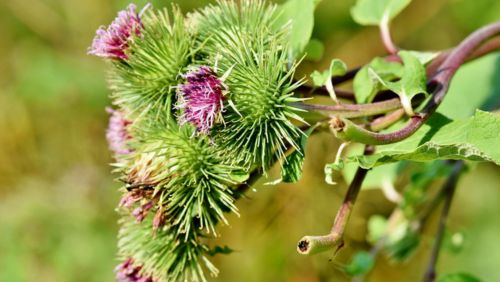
(141, 212)
(117, 132)
(128, 272)
(200, 98)
(112, 42)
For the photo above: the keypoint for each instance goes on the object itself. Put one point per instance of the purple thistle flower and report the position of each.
(200, 98)
(117, 132)
(128, 272)
(141, 212)
(112, 42)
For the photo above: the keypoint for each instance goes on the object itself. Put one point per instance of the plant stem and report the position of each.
(353, 110)
(489, 46)
(385, 34)
(438, 86)
(309, 245)
(387, 120)
(321, 91)
(449, 190)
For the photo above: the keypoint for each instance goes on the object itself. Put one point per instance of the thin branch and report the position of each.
(387, 120)
(353, 110)
(438, 86)
(309, 245)
(417, 223)
(449, 189)
(321, 91)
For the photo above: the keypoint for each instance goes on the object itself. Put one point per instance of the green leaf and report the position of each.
(415, 194)
(300, 14)
(337, 67)
(319, 78)
(314, 50)
(403, 248)
(424, 57)
(377, 177)
(372, 12)
(361, 263)
(474, 139)
(376, 228)
(239, 176)
(474, 86)
(292, 168)
(330, 168)
(412, 82)
(366, 85)
(458, 277)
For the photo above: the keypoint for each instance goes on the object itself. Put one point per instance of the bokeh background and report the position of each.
(57, 196)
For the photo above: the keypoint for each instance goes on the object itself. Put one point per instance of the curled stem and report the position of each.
(438, 85)
(309, 245)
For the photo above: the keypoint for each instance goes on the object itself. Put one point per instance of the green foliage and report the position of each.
(415, 193)
(189, 176)
(314, 50)
(374, 12)
(292, 168)
(361, 263)
(407, 81)
(367, 81)
(378, 176)
(299, 14)
(440, 138)
(403, 243)
(473, 87)
(337, 67)
(377, 225)
(458, 277)
(412, 81)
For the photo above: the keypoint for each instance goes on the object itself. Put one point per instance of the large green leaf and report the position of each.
(474, 139)
(372, 12)
(300, 14)
(474, 86)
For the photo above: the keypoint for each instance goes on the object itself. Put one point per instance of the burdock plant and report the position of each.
(205, 103)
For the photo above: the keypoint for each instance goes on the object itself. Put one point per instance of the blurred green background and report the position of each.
(57, 196)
